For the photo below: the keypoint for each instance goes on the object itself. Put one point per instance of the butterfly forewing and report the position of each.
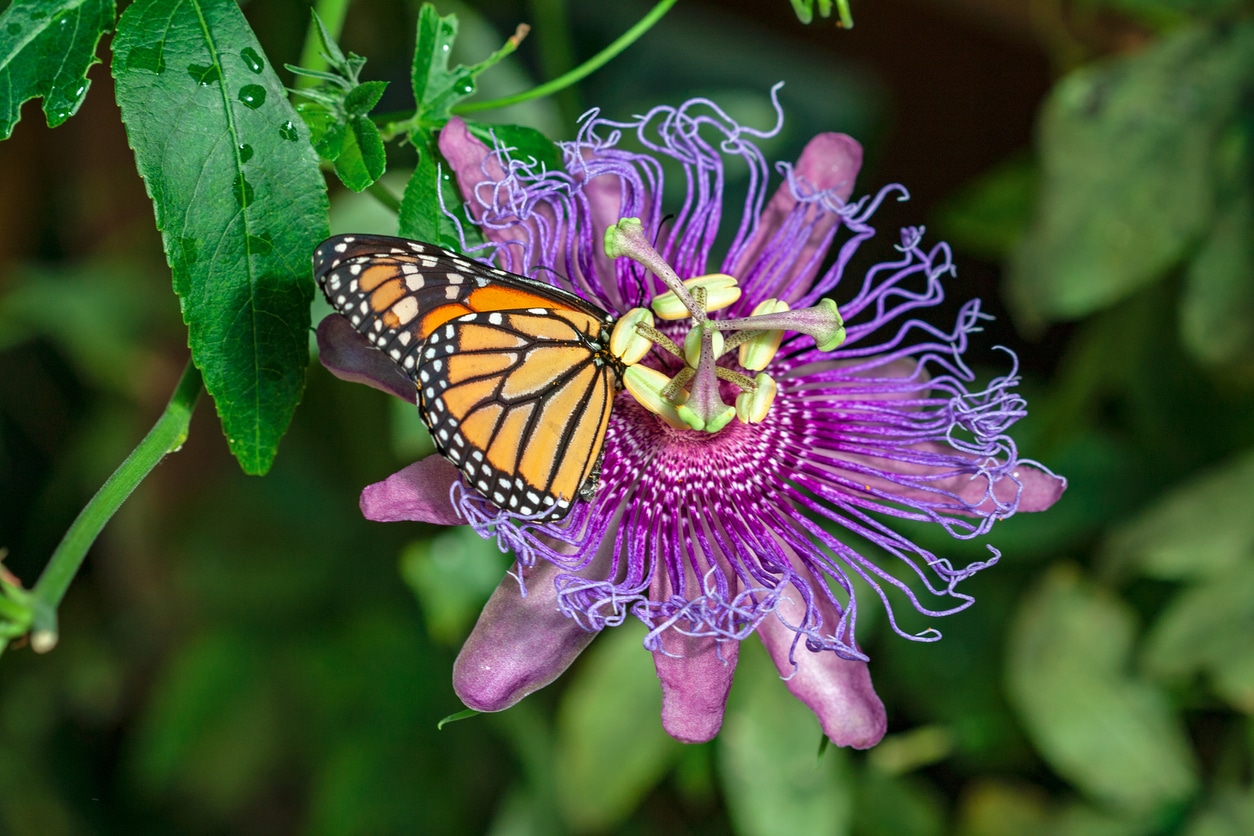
(398, 292)
(515, 382)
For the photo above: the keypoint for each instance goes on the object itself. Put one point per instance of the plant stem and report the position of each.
(582, 71)
(166, 436)
(332, 13)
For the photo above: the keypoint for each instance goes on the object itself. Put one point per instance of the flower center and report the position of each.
(691, 399)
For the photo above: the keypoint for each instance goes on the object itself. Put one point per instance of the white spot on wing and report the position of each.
(406, 309)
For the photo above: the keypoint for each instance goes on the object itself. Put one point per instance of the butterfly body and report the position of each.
(515, 379)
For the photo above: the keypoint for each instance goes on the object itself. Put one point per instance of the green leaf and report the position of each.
(1110, 734)
(362, 159)
(46, 48)
(1229, 813)
(330, 48)
(420, 213)
(464, 714)
(326, 130)
(989, 216)
(772, 779)
(437, 87)
(240, 203)
(908, 751)
(337, 114)
(1217, 306)
(1126, 184)
(897, 804)
(211, 729)
(993, 807)
(1168, 13)
(362, 98)
(452, 575)
(432, 79)
(1207, 629)
(1201, 529)
(1078, 819)
(422, 216)
(611, 749)
(522, 142)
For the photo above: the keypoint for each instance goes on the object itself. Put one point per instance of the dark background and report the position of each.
(247, 655)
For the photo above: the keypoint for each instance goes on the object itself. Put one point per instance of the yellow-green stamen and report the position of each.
(692, 345)
(646, 386)
(721, 291)
(757, 352)
(753, 406)
(628, 341)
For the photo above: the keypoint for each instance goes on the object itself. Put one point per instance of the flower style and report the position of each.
(753, 523)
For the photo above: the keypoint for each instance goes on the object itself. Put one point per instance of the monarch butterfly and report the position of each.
(515, 378)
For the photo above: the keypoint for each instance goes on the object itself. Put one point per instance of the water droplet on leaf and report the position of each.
(253, 95)
(245, 152)
(202, 75)
(252, 59)
(288, 131)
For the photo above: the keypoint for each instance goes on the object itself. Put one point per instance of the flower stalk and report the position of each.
(579, 73)
(36, 610)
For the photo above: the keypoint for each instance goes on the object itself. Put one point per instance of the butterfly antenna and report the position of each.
(637, 272)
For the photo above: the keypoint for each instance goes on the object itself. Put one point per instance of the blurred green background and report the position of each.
(247, 655)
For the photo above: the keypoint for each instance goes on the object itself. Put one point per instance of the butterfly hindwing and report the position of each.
(515, 378)
(521, 403)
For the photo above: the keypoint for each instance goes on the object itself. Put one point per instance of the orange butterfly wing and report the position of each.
(515, 379)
